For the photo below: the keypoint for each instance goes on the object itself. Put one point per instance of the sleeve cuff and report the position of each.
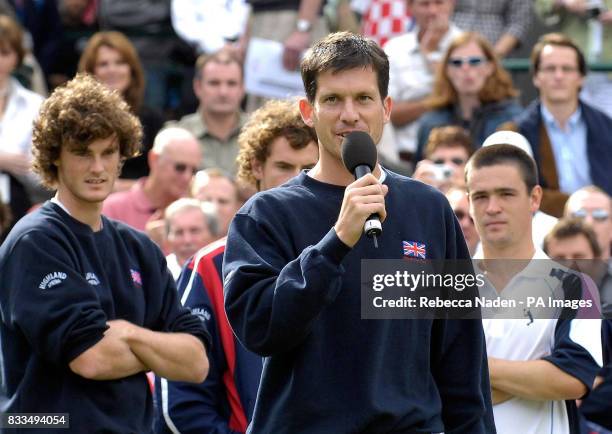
(332, 247)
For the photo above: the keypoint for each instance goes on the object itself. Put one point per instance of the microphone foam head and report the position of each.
(358, 149)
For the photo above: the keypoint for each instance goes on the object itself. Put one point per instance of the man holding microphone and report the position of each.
(292, 269)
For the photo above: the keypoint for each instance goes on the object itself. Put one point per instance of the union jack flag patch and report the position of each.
(136, 277)
(414, 249)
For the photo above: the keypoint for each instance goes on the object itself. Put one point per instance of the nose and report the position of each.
(349, 114)
(493, 205)
(97, 165)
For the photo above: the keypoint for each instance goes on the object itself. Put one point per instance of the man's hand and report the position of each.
(294, 45)
(498, 396)
(112, 357)
(435, 31)
(362, 198)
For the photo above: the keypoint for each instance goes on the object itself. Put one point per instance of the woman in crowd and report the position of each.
(471, 90)
(18, 108)
(113, 60)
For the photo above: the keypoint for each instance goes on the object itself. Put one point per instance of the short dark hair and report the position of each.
(505, 154)
(450, 136)
(558, 40)
(341, 51)
(571, 227)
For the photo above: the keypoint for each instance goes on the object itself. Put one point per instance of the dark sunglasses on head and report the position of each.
(598, 214)
(457, 62)
(181, 167)
(456, 161)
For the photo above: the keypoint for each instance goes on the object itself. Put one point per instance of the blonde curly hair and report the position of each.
(76, 114)
(277, 118)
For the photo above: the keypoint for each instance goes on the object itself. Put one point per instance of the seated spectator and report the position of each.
(593, 205)
(504, 23)
(18, 108)
(413, 60)
(572, 239)
(447, 151)
(190, 225)
(471, 90)
(458, 199)
(570, 139)
(113, 60)
(218, 84)
(173, 161)
(215, 187)
(589, 24)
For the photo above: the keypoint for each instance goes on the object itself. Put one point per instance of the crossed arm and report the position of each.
(127, 349)
(532, 379)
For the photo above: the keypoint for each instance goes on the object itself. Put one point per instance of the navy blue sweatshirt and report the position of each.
(60, 283)
(292, 294)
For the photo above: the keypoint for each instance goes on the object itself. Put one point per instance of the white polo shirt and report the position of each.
(574, 346)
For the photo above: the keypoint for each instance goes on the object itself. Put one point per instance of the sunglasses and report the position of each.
(457, 62)
(456, 161)
(182, 167)
(598, 214)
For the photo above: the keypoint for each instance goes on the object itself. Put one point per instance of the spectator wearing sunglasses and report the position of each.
(593, 205)
(173, 161)
(471, 90)
(446, 153)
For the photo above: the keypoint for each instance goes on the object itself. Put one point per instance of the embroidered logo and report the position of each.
(201, 313)
(52, 279)
(92, 279)
(136, 277)
(414, 249)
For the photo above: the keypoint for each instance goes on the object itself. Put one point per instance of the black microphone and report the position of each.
(359, 157)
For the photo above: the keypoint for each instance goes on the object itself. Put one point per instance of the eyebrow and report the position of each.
(494, 191)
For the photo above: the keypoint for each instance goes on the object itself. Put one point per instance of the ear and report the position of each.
(387, 105)
(535, 199)
(152, 158)
(307, 112)
(257, 169)
(535, 80)
(196, 87)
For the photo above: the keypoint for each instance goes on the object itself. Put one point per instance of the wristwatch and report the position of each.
(303, 25)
